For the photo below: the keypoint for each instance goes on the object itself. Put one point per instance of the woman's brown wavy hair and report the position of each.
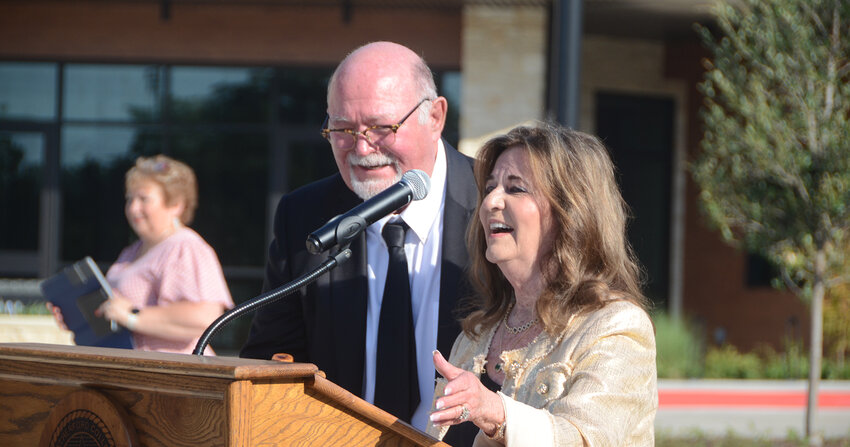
(590, 262)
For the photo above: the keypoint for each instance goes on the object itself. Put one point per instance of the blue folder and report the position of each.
(78, 290)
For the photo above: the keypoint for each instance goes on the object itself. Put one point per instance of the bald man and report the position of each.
(384, 118)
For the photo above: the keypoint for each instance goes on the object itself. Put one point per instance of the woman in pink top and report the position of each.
(168, 285)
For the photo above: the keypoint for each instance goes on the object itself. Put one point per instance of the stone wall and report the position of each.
(33, 329)
(503, 60)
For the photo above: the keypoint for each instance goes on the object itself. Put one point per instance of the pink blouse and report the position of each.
(183, 267)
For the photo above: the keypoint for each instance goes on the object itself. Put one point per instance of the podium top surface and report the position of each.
(127, 359)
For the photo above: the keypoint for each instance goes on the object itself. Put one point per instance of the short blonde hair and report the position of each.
(176, 178)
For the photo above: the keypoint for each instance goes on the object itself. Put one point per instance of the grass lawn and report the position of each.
(733, 440)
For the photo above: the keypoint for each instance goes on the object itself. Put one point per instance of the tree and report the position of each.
(774, 169)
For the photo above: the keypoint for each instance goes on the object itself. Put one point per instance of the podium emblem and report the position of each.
(87, 418)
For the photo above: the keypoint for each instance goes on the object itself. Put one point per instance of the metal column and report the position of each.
(566, 64)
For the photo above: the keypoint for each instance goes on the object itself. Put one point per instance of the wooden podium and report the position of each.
(76, 395)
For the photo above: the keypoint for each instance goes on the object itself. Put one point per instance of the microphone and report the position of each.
(414, 185)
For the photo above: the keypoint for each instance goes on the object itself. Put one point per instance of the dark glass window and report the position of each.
(760, 272)
(219, 94)
(249, 133)
(309, 161)
(94, 161)
(21, 173)
(27, 90)
(303, 96)
(232, 172)
(448, 85)
(112, 92)
(638, 132)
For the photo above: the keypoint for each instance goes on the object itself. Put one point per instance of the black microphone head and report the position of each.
(418, 181)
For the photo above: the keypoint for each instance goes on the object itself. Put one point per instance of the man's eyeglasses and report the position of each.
(381, 135)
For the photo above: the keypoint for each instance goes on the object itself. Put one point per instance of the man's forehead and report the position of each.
(357, 112)
(367, 86)
(369, 106)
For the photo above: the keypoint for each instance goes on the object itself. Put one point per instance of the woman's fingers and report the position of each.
(452, 415)
(462, 394)
(445, 368)
(114, 308)
(464, 398)
(57, 315)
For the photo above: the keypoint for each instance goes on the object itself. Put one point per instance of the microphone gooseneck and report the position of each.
(269, 297)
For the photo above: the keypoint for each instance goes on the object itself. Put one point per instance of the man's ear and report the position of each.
(439, 110)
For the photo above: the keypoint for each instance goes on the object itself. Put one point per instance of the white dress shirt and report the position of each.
(423, 248)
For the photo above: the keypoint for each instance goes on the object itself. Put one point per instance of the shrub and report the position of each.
(765, 363)
(792, 363)
(727, 363)
(678, 348)
(17, 307)
(833, 370)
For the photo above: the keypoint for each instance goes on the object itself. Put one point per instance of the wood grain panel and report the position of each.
(177, 400)
(23, 409)
(36, 372)
(170, 420)
(300, 420)
(159, 419)
(239, 412)
(332, 394)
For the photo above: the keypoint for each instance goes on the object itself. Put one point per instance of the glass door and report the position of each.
(29, 202)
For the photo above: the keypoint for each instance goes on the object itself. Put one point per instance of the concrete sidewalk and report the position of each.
(750, 408)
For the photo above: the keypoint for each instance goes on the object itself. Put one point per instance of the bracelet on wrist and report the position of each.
(499, 434)
(132, 319)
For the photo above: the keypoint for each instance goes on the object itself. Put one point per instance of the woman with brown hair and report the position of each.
(559, 349)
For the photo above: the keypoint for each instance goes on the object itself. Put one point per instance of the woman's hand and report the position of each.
(116, 309)
(466, 399)
(57, 315)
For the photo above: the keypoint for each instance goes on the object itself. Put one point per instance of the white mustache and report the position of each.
(372, 160)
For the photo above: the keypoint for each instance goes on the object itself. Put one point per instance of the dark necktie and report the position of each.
(396, 381)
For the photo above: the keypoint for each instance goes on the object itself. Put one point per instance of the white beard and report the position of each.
(366, 189)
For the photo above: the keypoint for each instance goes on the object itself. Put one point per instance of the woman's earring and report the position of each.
(175, 221)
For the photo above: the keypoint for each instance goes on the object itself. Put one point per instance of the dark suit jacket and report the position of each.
(325, 322)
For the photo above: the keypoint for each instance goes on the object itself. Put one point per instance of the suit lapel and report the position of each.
(347, 304)
(461, 197)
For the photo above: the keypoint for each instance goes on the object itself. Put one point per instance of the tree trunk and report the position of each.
(815, 348)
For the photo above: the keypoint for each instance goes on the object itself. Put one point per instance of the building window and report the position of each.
(250, 133)
(27, 91)
(760, 272)
(70, 131)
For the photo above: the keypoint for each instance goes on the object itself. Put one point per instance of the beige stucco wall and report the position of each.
(504, 62)
(503, 58)
(33, 329)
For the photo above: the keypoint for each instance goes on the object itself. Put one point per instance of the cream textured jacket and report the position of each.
(594, 385)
